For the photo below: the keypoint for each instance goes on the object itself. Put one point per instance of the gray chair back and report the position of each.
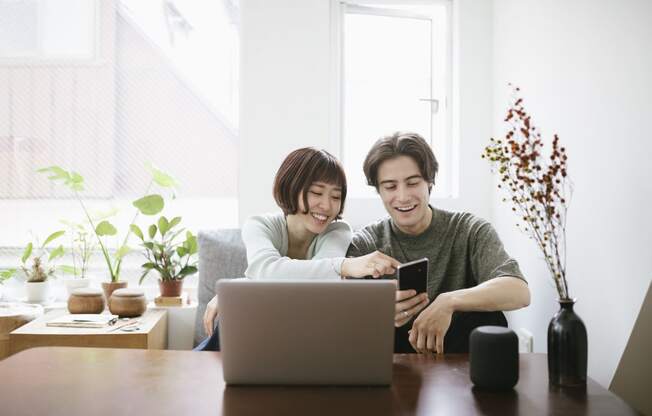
(222, 255)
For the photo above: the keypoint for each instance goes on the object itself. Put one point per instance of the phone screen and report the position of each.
(413, 275)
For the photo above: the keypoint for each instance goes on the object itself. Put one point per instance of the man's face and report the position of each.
(405, 194)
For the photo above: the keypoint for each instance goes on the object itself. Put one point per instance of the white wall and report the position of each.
(585, 71)
(284, 91)
(286, 76)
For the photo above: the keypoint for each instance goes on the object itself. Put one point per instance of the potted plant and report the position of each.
(539, 190)
(36, 272)
(151, 204)
(81, 250)
(172, 258)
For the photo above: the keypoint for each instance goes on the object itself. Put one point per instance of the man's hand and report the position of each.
(210, 315)
(430, 327)
(408, 304)
(374, 264)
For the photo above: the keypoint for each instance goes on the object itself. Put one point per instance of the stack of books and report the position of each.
(171, 300)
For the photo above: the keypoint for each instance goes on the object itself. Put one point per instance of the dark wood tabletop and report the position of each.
(97, 381)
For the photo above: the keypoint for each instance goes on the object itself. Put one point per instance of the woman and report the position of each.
(306, 240)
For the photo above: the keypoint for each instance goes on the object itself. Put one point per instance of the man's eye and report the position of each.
(413, 183)
(390, 188)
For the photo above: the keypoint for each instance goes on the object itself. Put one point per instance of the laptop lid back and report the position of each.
(307, 332)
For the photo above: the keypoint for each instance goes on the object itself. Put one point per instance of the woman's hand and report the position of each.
(210, 315)
(375, 264)
(408, 304)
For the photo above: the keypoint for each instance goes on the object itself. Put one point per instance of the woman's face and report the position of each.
(324, 202)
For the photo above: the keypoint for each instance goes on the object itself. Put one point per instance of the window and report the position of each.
(396, 75)
(33, 31)
(163, 89)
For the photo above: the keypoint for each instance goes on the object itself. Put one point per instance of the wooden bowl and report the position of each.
(86, 300)
(127, 302)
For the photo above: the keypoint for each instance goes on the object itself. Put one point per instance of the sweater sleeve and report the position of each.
(263, 243)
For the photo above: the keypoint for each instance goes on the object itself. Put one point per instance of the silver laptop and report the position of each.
(307, 332)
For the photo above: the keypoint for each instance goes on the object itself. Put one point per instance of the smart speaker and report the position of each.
(493, 357)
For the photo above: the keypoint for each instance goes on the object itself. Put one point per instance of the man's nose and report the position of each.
(402, 193)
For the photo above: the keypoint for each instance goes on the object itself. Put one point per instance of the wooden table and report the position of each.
(87, 381)
(152, 334)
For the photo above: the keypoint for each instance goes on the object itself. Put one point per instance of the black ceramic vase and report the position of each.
(567, 347)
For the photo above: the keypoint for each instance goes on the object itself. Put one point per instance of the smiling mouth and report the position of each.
(319, 217)
(406, 208)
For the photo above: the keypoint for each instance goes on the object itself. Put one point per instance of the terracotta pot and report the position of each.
(128, 302)
(109, 287)
(170, 288)
(86, 300)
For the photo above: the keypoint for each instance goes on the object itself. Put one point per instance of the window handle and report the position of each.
(434, 104)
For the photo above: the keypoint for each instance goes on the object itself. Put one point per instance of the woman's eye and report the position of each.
(413, 184)
(337, 198)
(390, 188)
(315, 193)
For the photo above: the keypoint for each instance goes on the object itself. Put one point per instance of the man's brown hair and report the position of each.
(299, 171)
(401, 144)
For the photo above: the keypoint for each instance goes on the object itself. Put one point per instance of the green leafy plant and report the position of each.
(150, 204)
(172, 258)
(37, 271)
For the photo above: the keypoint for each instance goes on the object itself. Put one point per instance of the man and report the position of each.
(471, 278)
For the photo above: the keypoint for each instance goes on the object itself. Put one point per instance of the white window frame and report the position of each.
(447, 147)
(38, 57)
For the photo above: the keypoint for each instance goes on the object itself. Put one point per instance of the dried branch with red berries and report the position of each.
(539, 186)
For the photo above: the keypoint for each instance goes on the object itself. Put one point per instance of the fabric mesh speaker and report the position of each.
(493, 357)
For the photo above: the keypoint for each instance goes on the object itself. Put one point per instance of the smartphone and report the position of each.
(413, 275)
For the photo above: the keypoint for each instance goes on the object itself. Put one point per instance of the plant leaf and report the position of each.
(161, 178)
(163, 225)
(142, 277)
(174, 222)
(148, 265)
(105, 228)
(6, 274)
(53, 237)
(149, 245)
(188, 270)
(136, 230)
(150, 204)
(182, 251)
(152, 231)
(57, 252)
(27, 252)
(123, 251)
(56, 172)
(191, 243)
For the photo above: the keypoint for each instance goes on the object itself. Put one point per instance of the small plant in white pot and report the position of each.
(81, 249)
(37, 272)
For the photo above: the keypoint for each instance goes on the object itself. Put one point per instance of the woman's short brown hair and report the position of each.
(401, 144)
(299, 171)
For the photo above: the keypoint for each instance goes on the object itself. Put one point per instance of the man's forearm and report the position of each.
(504, 293)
